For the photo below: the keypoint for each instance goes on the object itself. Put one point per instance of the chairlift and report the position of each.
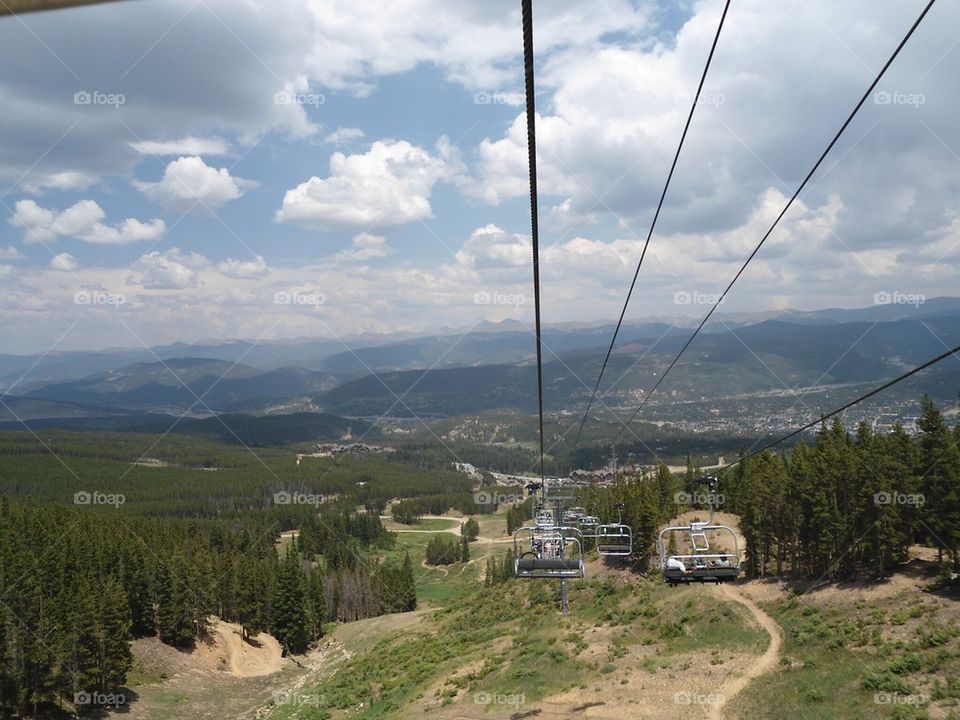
(614, 539)
(548, 552)
(587, 525)
(703, 563)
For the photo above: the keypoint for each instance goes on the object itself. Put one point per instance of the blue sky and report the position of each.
(369, 162)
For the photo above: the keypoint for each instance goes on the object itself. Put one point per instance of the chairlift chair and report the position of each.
(614, 539)
(702, 564)
(587, 525)
(547, 552)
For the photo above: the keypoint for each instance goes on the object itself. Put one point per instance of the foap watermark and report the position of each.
(713, 99)
(96, 297)
(895, 97)
(83, 497)
(296, 498)
(487, 698)
(697, 698)
(498, 98)
(488, 497)
(292, 297)
(695, 297)
(296, 698)
(895, 498)
(98, 698)
(86, 97)
(892, 698)
(289, 97)
(698, 498)
(498, 298)
(896, 297)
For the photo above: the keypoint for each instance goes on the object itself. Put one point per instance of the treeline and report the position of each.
(446, 550)
(499, 568)
(338, 537)
(852, 503)
(518, 514)
(308, 594)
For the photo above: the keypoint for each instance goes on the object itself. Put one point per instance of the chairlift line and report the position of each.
(653, 224)
(783, 212)
(549, 549)
(526, 10)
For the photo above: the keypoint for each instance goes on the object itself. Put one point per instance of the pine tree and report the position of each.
(200, 583)
(291, 614)
(114, 656)
(666, 490)
(470, 529)
(408, 585)
(84, 641)
(174, 606)
(249, 593)
(317, 600)
(140, 594)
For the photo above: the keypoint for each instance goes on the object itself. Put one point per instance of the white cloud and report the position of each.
(65, 262)
(220, 64)
(243, 269)
(189, 184)
(64, 180)
(489, 247)
(10, 253)
(5, 270)
(169, 270)
(388, 185)
(364, 246)
(476, 44)
(81, 221)
(189, 145)
(611, 116)
(502, 166)
(343, 135)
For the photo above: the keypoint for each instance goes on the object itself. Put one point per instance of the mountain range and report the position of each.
(486, 367)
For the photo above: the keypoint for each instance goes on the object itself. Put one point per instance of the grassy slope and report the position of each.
(848, 657)
(509, 641)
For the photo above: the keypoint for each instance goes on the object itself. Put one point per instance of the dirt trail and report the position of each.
(764, 664)
(244, 659)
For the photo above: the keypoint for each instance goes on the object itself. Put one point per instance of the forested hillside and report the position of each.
(98, 547)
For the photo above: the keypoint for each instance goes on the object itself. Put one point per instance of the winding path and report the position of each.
(766, 662)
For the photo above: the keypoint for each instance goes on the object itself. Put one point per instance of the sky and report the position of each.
(194, 170)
